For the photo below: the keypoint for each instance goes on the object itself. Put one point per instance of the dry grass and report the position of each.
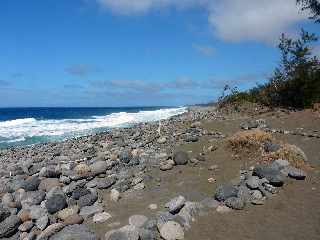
(293, 154)
(250, 138)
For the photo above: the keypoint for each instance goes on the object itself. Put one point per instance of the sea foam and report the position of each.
(21, 129)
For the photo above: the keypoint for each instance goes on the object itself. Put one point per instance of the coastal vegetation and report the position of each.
(295, 82)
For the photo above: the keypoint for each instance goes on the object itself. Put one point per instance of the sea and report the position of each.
(27, 126)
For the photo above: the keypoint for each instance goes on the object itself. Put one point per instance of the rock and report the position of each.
(67, 212)
(31, 184)
(73, 232)
(47, 184)
(89, 211)
(32, 198)
(50, 230)
(87, 200)
(79, 192)
(73, 219)
(172, 231)
(191, 138)
(226, 191)
(82, 170)
(235, 203)
(162, 140)
(99, 167)
(55, 203)
(137, 220)
(7, 199)
(223, 209)
(189, 212)
(105, 183)
(269, 188)
(295, 173)
(256, 195)
(37, 212)
(42, 222)
(9, 226)
(271, 173)
(271, 147)
(24, 215)
(101, 217)
(253, 182)
(114, 195)
(175, 204)
(181, 158)
(125, 233)
(50, 172)
(26, 226)
(165, 166)
(163, 217)
(280, 164)
(139, 186)
(153, 206)
(210, 203)
(125, 157)
(4, 213)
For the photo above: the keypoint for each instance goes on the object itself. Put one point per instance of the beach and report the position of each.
(170, 180)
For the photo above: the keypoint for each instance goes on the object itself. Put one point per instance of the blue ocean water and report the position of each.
(25, 126)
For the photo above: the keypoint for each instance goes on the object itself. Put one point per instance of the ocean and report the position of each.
(26, 126)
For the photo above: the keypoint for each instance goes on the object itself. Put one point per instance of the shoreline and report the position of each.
(93, 185)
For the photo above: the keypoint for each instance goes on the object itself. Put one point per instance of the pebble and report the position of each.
(153, 206)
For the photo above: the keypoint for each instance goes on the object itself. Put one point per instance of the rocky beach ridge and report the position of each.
(59, 190)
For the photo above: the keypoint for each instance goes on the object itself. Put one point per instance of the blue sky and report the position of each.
(138, 52)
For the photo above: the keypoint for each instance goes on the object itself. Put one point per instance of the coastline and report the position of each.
(138, 164)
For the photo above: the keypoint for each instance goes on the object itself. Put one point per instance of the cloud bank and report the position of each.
(230, 20)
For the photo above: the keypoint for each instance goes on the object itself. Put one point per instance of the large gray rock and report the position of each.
(253, 182)
(163, 217)
(181, 158)
(271, 173)
(89, 211)
(189, 212)
(226, 191)
(9, 226)
(51, 171)
(55, 203)
(79, 192)
(73, 232)
(175, 204)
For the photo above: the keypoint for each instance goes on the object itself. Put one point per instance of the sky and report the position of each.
(110, 53)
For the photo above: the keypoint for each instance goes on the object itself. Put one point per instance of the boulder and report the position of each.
(99, 167)
(67, 212)
(50, 230)
(125, 156)
(4, 213)
(47, 184)
(181, 158)
(102, 217)
(295, 173)
(73, 219)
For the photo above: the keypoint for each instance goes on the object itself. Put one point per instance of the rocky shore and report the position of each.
(59, 190)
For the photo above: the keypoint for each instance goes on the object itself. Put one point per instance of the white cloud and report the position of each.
(231, 20)
(261, 20)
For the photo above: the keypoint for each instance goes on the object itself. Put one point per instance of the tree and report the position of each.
(313, 6)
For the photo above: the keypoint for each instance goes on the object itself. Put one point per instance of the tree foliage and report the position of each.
(313, 6)
(294, 83)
